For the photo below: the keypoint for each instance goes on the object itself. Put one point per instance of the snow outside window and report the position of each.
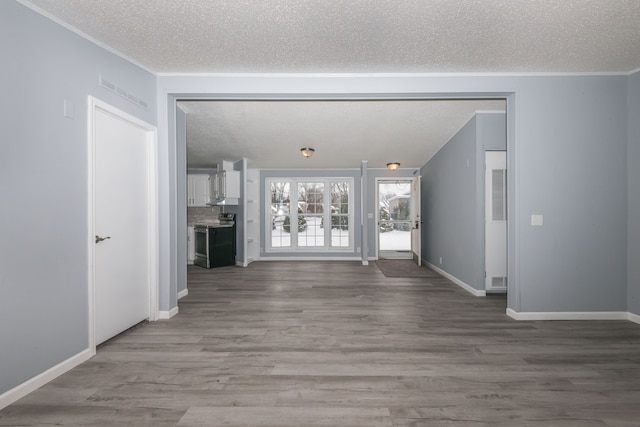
(310, 214)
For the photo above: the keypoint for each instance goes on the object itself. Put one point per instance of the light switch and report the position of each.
(370, 215)
(69, 109)
(537, 220)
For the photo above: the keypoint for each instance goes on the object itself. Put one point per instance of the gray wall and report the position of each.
(567, 143)
(570, 166)
(453, 199)
(449, 207)
(633, 160)
(43, 185)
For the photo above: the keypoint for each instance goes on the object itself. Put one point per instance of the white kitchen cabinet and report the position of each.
(225, 187)
(191, 245)
(198, 187)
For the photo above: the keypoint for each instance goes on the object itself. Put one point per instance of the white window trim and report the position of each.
(293, 185)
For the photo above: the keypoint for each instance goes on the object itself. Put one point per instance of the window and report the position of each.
(310, 214)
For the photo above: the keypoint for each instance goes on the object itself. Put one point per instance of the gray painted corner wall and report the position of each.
(633, 172)
(453, 198)
(449, 208)
(44, 185)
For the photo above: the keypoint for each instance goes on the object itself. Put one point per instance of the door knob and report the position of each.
(100, 239)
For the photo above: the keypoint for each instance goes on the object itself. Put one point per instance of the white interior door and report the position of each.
(416, 220)
(124, 195)
(496, 220)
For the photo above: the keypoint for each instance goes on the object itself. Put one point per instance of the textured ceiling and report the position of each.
(350, 36)
(363, 35)
(343, 133)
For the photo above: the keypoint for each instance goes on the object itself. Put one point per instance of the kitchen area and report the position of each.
(213, 196)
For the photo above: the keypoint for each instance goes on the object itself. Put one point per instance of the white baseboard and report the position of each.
(571, 315)
(454, 279)
(635, 318)
(164, 315)
(311, 258)
(183, 293)
(18, 392)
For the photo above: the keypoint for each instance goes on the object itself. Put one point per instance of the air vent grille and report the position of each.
(499, 282)
(123, 93)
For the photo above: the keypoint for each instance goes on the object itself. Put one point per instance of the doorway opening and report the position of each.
(370, 226)
(398, 215)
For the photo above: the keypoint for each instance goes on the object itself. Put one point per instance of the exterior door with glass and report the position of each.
(397, 216)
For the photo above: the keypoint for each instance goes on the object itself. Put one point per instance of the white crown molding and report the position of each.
(399, 74)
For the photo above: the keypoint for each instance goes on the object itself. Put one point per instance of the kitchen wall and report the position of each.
(44, 186)
(633, 191)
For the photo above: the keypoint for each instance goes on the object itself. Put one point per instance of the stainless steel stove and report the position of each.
(216, 242)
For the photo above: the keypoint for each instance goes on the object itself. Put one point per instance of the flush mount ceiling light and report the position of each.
(307, 152)
(393, 165)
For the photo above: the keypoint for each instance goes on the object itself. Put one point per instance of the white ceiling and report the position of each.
(349, 36)
(343, 133)
(363, 36)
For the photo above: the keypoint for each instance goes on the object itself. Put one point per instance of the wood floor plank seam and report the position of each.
(338, 343)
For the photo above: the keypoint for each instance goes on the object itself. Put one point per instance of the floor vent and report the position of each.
(123, 93)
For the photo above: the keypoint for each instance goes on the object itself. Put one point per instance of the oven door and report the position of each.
(202, 247)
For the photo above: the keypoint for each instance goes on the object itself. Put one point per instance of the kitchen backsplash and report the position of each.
(199, 215)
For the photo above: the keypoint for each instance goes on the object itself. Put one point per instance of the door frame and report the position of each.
(378, 180)
(152, 208)
(486, 217)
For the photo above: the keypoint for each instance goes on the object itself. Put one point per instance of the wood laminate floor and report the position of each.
(339, 344)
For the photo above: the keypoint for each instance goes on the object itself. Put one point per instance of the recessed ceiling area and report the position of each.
(270, 134)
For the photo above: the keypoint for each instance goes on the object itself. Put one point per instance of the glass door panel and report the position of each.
(394, 218)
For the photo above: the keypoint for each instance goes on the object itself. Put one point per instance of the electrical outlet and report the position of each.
(537, 220)
(440, 260)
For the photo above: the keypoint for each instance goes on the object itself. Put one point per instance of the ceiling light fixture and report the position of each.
(393, 165)
(307, 152)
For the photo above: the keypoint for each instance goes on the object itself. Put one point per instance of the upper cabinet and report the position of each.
(225, 187)
(198, 190)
